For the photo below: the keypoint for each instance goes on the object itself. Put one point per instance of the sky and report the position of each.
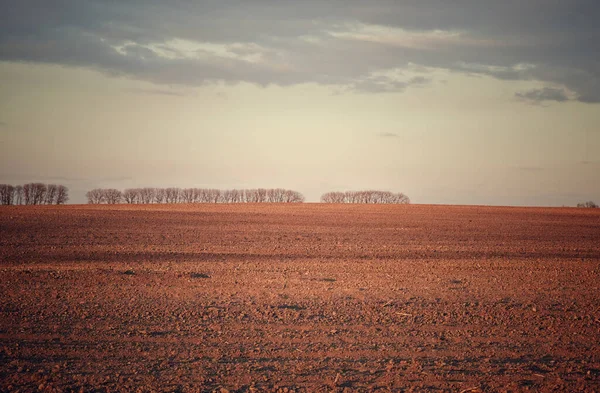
(451, 102)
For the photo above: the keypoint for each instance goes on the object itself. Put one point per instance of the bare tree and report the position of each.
(18, 195)
(214, 195)
(588, 204)
(28, 193)
(275, 195)
(293, 197)
(50, 196)
(146, 195)
(7, 194)
(130, 195)
(38, 193)
(402, 199)
(62, 195)
(193, 195)
(236, 196)
(227, 196)
(261, 195)
(201, 195)
(112, 196)
(252, 196)
(334, 197)
(159, 195)
(96, 196)
(187, 195)
(366, 196)
(172, 195)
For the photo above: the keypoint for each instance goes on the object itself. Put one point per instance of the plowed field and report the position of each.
(309, 297)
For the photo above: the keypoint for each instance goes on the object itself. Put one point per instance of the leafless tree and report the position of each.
(39, 193)
(193, 195)
(28, 193)
(261, 195)
(200, 195)
(95, 196)
(18, 195)
(227, 196)
(146, 195)
(366, 196)
(50, 196)
(275, 195)
(334, 197)
(112, 196)
(62, 195)
(588, 204)
(293, 197)
(187, 195)
(402, 199)
(172, 195)
(214, 195)
(130, 195)
(159, 195)
(236, 196)
(7, 194)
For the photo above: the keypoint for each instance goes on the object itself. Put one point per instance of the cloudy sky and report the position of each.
(464, 101)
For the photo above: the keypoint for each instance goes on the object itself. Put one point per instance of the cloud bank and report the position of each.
(376, 46)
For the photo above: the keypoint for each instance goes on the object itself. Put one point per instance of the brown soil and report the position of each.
(299, 298)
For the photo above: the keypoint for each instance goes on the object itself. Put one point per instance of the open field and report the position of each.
(304, 297)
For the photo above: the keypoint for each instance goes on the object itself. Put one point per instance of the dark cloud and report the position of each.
(382, 84)
(164, 92)
(540, 95)
(342, 43)
(387, 135)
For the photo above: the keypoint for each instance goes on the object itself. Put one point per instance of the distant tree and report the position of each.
(28, 193)
(51, 191)
(227, 196)
(19, 195)
(38, 193)
(201, 195)
(130, 195)
(402, 199)
(172, 195)
(336, 197)
(96, 196)
(275, 195)
(159, 195)
(187, 195)
(214, 195)
(112, 196)
(146, 195)
(588, 204)
(252, 196)
(7, 194)
(261, 195)
(62, 195)
(236, 196)
(293, 197)
(366, 196)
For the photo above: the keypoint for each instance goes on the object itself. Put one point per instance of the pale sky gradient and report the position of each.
(481, 102)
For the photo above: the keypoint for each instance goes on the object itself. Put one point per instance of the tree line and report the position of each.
(34, 194)
(367, 196)
(149, 195)
(588, 204)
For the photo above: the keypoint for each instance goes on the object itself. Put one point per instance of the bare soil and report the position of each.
(310, 297)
